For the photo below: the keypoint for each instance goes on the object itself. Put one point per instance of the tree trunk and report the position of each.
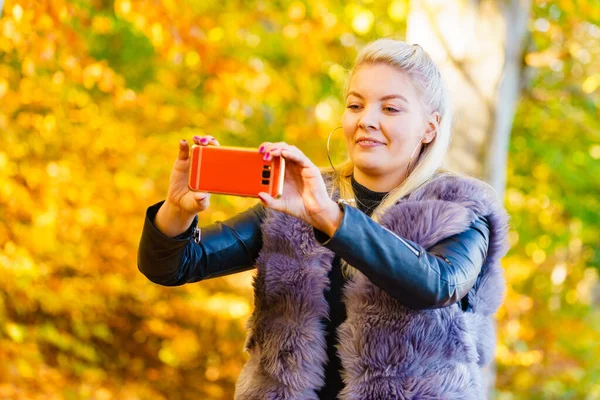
(479, 47)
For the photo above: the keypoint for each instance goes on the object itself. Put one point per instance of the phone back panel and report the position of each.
(235, 170)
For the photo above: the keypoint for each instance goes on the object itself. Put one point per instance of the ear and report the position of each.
(432, 127)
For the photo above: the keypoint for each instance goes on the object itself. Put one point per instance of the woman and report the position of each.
(393, 298)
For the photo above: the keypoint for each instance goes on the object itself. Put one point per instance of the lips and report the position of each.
(368, 140)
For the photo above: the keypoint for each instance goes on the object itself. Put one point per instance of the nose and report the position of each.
(368, 120)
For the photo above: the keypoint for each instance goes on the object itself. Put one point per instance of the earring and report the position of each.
(412, 156)
(328, 140)
(349, 201)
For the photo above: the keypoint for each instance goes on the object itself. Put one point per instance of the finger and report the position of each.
(294, 154)
(208, 139)
(268, 201)
(184, 150)
(200, 196)
(273, 150)
(263, 146)
(204, 140)
(270, 147)
(291, 153)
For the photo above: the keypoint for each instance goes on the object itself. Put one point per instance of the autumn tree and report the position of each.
(95, 97)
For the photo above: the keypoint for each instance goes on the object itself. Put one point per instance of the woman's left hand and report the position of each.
(304, 192)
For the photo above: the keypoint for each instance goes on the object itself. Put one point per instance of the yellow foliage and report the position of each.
(94, 101)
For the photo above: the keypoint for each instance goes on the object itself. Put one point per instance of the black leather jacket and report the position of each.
(418, 278)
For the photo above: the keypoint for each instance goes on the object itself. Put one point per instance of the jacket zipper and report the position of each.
(415, 251)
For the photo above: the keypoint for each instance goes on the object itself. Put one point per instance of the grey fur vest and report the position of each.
(387, 351)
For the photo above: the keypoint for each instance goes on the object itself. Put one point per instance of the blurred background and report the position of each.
(95, 96)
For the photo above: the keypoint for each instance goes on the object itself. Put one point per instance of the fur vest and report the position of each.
(387, 350)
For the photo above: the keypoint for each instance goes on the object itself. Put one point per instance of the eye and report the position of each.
(391, 109)
(353, 106)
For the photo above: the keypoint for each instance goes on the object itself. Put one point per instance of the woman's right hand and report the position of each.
(182, 204)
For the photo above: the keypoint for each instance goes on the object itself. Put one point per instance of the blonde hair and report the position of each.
(426, 77)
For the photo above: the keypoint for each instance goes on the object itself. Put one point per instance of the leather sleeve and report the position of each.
(418, 278)
(225, 248)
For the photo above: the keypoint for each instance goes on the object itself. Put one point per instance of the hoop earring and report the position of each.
(328, 140)
(411, 158)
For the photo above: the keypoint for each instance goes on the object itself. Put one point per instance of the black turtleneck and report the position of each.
(366, 201)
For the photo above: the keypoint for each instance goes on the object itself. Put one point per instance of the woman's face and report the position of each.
(383, 106)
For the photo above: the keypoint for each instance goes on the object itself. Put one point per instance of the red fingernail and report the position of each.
(261, 149)
(203, 140)
(266, 157)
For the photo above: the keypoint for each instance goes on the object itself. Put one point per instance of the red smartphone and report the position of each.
(237, 171)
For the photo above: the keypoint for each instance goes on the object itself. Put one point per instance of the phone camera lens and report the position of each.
(265, 181)
(266, 174)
